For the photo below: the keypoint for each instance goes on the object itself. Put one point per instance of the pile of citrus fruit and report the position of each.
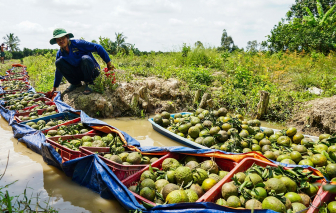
(233, 133)
(178, 181)
(270, 188)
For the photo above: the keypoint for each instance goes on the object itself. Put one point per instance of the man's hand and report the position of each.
(53, 90)
(110, 66)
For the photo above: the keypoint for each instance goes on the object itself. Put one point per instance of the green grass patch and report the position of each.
(237, 77)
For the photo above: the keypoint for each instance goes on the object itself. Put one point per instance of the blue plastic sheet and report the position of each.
(20, 130)
(61, 106)
(93, 173)
(204, 207)
(33, 140)
(7, 114)
(50, 155)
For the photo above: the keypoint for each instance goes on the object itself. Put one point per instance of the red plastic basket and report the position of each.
(6, 93)
(66, 153)
(44, 99)
(30, 108)
(12, 73)
(74, 121)
(224, 164)
(121, 171)
(321, 197)
(2, 80)
(15, 79)
(17, 90)
(39, 112)
(215, 192)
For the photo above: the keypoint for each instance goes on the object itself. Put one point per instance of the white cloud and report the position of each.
(149, 24)
(220, 23)
(30, 27)
(174, 21)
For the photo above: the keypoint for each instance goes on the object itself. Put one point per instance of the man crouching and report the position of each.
(74, 61)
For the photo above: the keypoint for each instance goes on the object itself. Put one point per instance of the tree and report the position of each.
(321, 19)
(309, 33)
(108, 45)
(252, 46)
(121, 43)
(227, 43)
(12, 42)
(199, 44)
(298, 10)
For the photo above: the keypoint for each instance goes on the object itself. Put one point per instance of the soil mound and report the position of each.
(150, 95)
(316, 117)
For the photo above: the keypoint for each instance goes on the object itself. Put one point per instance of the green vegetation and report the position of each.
(238, 76)
(7, 65)
(311, 31)
(23, 202)
(41, 70)
(12, 42)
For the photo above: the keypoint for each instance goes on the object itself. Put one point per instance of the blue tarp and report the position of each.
(205, 207)
(61, 106)
(7, 114)
(93, 173)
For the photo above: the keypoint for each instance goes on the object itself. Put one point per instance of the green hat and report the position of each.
(58, 33)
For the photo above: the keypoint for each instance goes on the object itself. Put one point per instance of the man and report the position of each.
(74, 61)
(3, 53)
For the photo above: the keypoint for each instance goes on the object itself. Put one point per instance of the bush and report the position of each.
(8, 55)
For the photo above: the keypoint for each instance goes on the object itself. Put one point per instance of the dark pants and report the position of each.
(86, 71)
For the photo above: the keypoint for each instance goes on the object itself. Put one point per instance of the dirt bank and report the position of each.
(316, 116)
(143, 95)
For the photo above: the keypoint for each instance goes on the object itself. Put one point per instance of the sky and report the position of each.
(159, 25)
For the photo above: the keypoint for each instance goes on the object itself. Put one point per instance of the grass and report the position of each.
(20, 203)
(41, 71)
(7, 65)
(238, 77)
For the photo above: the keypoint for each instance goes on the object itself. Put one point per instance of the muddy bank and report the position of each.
(316, 117)
(140, 96)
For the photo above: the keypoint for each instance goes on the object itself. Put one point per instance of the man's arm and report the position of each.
(92, 47)
(58, 79)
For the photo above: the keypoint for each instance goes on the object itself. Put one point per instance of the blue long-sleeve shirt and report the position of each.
(78, 48)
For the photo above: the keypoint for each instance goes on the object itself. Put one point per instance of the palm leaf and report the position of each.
(319, 8)
(328, 13)
(309, 12)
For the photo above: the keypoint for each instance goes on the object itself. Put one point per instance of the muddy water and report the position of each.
(29, 169)
(141, 130)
